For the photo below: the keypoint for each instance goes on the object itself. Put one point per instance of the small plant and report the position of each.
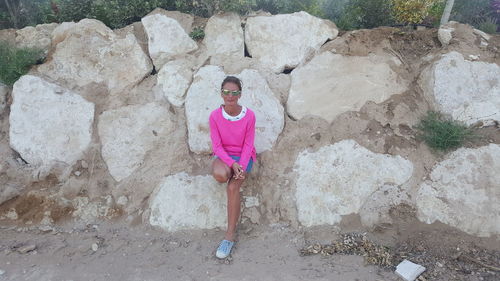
(15, 62)
(444, 134)
(197, 34)
(488, 25)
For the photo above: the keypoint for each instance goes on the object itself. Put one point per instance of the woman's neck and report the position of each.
(232, 110)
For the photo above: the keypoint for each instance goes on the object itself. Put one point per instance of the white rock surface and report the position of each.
(89, 52)
(464, 191)
(445, 35)
(204, 96)
(468, 91)
(49, 124)
(128, 133)
(39, 36)
(4, 90)
(224, 36)
(339, 179)
(331, 84)
(166, 39)
(174, 79)
(188, 202)
(286, 40)
(185, 20)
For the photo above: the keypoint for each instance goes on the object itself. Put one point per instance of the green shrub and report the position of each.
(472, 12)
(15, 62)
(197, 34)
(443, 134)
(435, 13)
(73, 10)
(488, 25)
(366, 14)
(113, 13)
(411, 11)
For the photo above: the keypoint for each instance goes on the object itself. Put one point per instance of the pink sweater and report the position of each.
(233, 137)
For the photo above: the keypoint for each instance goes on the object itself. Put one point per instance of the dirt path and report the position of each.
(143, 253)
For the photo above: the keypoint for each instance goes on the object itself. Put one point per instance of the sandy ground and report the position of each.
(143, 253)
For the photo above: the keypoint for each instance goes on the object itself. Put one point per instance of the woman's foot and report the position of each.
(224, 249)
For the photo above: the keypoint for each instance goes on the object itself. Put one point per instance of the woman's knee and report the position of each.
(220, 176)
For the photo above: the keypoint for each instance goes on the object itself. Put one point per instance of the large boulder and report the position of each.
(224, 36)
(331, 84)
(468, 91)
(89, 52)
(188, 202)
(340, 179)
(173, 80)
(463, 191)
(285, 41)
(49, 125)
(204, 96)
(166, 39)
(128, 133)
(38, 37)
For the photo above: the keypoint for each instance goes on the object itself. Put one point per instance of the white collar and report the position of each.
(234, 118)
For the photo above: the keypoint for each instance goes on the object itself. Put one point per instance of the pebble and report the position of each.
(95, 247)
(25, 249)
(77, 173)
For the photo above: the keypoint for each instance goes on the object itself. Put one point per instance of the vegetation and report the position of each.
(347, 14)
(412, 11)
(443, 134)
(15, 62)
(197, 34)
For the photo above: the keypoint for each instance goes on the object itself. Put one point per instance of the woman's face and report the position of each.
(230, 99)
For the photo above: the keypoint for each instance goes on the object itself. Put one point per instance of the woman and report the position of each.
(232, 130)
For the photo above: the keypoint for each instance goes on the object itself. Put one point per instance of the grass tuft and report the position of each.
(442, 133)
(15, 62)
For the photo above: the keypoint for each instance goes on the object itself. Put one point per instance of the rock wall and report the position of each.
(115, 123)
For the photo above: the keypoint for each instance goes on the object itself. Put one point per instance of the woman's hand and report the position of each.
(238, 171)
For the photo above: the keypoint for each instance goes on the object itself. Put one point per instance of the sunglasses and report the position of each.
(234, 93)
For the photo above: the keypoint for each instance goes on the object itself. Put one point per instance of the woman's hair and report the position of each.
(231, 79)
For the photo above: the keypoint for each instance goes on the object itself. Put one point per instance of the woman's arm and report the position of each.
(217, 144)
(248, 143)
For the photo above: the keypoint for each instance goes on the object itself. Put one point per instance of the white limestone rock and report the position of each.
(286, 40)
(188, 202)
(445, 32)
(204, 96)
(464, 191)
(445, 35)
(468, 91)
(331, 84)
(339, 179)
(128, 133)
(39, 36)
(185, 20)
(49, 124)
(224, 36)
(174, 79)
(166, 39)
(89, 52)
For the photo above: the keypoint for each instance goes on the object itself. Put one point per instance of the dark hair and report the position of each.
(231, 79)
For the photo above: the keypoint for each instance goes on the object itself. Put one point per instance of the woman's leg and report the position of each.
(233, 207)
(220, 171)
